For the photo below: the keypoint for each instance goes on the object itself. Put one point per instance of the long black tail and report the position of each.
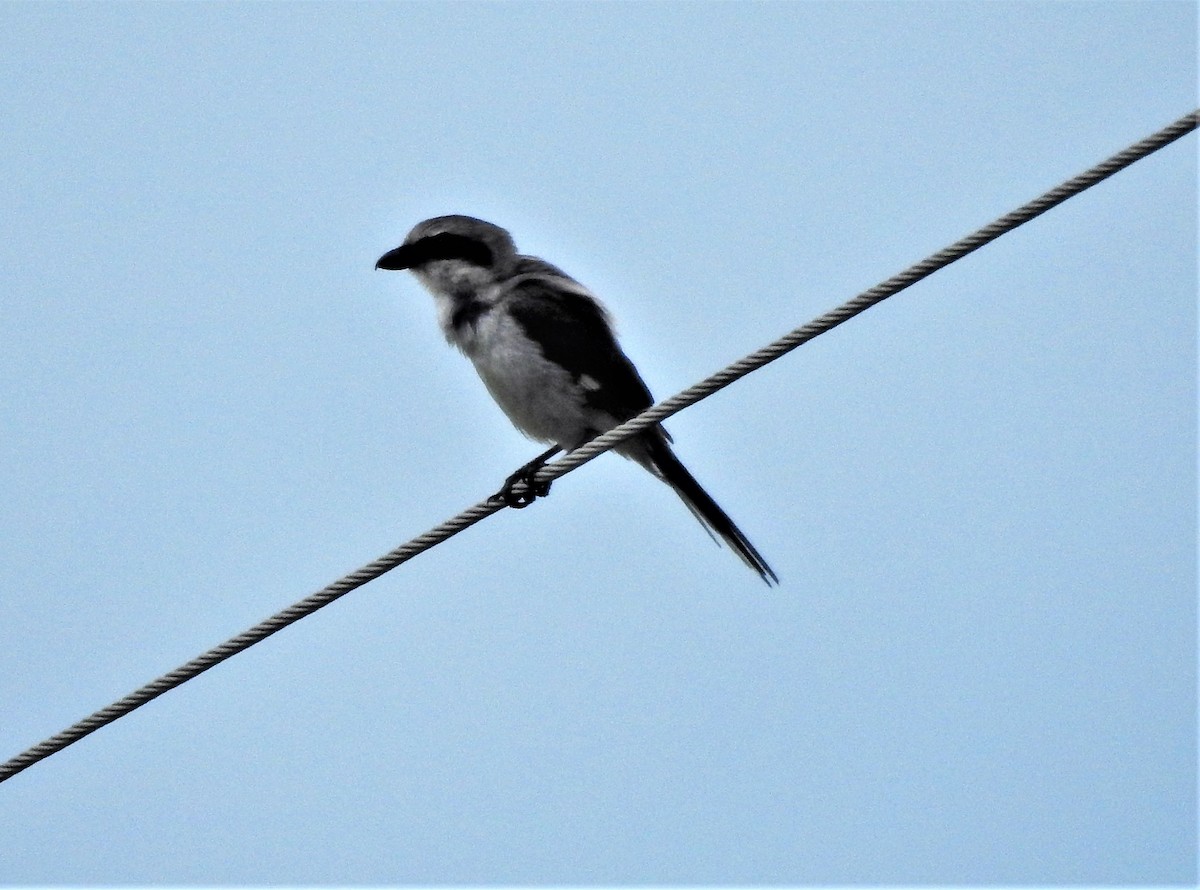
(716, 521)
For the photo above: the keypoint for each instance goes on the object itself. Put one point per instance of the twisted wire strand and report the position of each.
(600, 444)
(869, 298)
(248, 638)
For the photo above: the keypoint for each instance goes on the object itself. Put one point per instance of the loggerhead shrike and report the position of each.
(546, 351)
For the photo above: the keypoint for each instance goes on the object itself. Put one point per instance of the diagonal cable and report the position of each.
(869, 298)
(600, 444)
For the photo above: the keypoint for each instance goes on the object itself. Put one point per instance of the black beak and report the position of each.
(400, 258)
(442, 246)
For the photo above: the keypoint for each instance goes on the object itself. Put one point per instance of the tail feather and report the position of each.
(664, 464)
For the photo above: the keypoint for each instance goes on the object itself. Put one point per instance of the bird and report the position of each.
(545, 348)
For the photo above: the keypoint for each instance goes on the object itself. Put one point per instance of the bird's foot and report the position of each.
(521, 489)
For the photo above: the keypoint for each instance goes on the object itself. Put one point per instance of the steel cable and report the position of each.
(597, 446)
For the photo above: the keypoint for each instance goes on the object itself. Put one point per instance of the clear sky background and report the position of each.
(980, 497)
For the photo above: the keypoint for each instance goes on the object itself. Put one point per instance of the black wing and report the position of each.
(573, 331)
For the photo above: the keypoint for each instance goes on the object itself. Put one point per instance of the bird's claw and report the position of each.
(529, 490)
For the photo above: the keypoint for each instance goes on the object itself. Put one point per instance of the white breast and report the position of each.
(539, 397)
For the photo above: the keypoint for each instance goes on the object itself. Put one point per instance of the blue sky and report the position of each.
(980, 496)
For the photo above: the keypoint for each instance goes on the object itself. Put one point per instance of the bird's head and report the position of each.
(453, 253)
